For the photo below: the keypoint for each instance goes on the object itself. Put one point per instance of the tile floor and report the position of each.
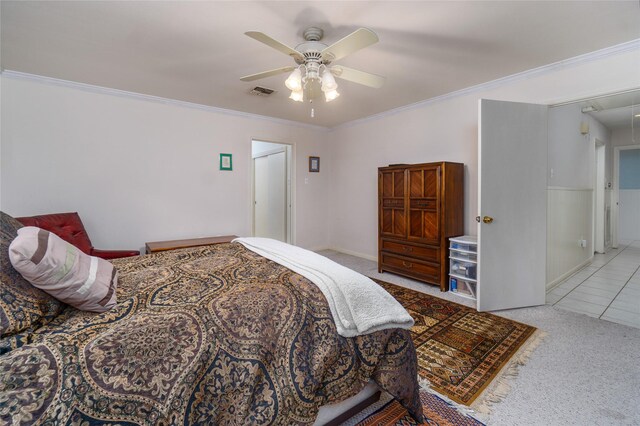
(608, 288)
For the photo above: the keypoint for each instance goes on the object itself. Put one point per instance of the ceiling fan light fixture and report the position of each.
(294, 81)
(330, 95)
(297, 95)
(328, 82)
(312, 58)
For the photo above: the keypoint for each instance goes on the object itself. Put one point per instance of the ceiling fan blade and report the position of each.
(265, 74)
(356, 76)
(271, 42)
(355, 41)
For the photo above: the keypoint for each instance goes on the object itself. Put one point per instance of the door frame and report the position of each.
(599, 193)
(289, 149)
(615, 209)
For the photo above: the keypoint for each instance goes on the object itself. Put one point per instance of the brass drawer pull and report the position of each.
(407, 264)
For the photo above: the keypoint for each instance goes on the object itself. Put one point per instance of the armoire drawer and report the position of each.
(421, 252)
(428, 271)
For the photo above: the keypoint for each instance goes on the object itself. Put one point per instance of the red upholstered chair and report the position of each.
(69, 227)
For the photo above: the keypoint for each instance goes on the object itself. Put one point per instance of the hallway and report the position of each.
(608, 288)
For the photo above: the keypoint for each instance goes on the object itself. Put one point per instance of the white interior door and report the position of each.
(261, 196)
(270, 192)
(512, 161)
(599, 214)
(278, 196)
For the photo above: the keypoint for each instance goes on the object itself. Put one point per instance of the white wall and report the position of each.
(569, 220)
(571, 190)
(624, 137)
(140, 171)
(572, 154)
(569, 152)
(445, 129)
(629, 222)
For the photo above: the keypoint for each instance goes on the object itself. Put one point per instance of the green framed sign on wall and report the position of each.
(226, 162)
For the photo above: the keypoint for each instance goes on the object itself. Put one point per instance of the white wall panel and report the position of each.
(569, 214)
(629, 222)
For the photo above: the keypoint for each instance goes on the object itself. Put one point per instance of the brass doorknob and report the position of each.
(487, 219)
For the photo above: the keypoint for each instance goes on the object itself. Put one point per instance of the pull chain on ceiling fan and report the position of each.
(313, 72)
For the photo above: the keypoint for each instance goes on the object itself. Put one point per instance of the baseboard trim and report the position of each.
(320, 248)
(355, 253)
(553, 284)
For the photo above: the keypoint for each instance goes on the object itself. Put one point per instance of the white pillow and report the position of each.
(64, 271)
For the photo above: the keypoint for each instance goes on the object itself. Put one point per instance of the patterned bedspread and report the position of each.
(211, 335)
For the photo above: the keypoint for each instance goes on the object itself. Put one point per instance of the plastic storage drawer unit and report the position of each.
(462, 255)
(463, 261)
(463, 269)
(462, 287)
(464, 244)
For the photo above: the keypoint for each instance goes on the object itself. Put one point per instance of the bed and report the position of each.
(207, 335)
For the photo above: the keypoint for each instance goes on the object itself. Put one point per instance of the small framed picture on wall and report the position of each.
(226, 162)
(314, 164)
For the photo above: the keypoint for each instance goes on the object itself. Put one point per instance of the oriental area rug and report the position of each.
(389, 412)
(465, 355)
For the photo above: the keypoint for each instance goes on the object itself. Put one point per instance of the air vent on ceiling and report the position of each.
(261, 91)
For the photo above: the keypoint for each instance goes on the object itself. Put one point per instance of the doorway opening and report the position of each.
(626, 168)
(272, 175)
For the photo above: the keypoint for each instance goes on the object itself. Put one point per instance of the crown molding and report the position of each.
(633, 45)
(17, 75)
(630, 46)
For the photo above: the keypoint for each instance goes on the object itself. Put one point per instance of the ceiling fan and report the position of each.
(314, 72)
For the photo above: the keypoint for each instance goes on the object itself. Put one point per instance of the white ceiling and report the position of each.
(617, 111)
(197, 51)
(619, 118)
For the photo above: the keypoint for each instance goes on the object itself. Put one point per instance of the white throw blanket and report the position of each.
(358, 305)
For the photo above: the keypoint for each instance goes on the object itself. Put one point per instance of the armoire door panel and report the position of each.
(393, 184)
(424, 183)
(415, 224)
(399, 223)
(387, 185)
(424, 225)
(416, 183)
(431, 182)
(387, 221)
(394, 223)
(398, 184)
(392, 204)
(431, 222)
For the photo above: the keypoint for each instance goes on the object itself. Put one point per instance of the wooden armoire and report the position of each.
(419, 207)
